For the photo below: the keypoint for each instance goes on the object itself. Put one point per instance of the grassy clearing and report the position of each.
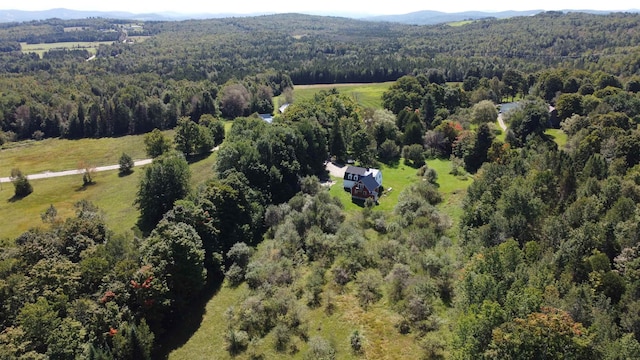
(40, 49)
(113, 194)
(208, 341)
(460, 23)
(61, 154)
(559, 136)
(398, 177)
(367, 95)
(453, 189)
(376, 324)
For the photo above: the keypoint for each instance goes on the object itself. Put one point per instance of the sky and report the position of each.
(372, 7)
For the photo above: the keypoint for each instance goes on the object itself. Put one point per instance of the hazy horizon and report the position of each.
(374, 7)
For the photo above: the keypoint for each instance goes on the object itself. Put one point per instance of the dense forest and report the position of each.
(183, 68)
(541, 261)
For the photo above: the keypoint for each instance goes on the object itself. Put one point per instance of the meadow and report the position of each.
(40, 49)
(367, 95)
(113, 194)
(90, 46)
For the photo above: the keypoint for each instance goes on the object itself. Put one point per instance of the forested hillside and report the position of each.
(526, 246)
(183, 68)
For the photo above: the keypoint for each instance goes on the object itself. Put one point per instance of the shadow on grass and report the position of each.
(187, 323)
(16, 198)
(85, 186)
(125, 174)
(191, 159)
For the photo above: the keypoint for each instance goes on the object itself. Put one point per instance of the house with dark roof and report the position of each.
(353, 173)
(366, 187)
(362, 183)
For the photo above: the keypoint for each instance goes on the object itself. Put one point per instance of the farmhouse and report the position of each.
(354, 173)
(363, 183)
(366, 187)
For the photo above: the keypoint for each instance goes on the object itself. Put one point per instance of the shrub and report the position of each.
(368, 283)
(413, 155)
(357, 340)
(388, 151)
(126, 164)
(237, 341)
(320, 349)
(282, 337)
(20, 183)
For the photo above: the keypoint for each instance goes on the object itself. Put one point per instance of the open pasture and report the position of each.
(367, 95)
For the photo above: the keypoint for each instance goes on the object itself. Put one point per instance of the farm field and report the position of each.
(113, 194)
(40, 49)
(367, 95)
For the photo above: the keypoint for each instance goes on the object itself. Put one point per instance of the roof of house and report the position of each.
(266, 117)
(356, 170)
(360, 171)
(370, 183)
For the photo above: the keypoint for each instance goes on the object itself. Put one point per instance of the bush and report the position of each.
(20, 183)
(388, 151)
(368, 284)
(237, 341)
(428, 174)
(413, 155)
(282, 337)
(357, 341)
(320, 349)
(126, 164)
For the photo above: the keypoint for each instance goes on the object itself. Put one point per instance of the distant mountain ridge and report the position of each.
(426, 17)
(68, 14)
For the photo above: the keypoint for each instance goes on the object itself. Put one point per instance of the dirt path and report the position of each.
(51, 174)
(501, 122)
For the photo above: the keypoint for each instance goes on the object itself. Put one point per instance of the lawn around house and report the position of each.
(398, 177)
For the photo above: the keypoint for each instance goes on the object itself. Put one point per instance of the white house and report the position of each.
(354, 173)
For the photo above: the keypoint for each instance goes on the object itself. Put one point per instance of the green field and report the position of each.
(60, 154)
(113, 194)
(461, 23)
(559, 136)
(400, 176)
(40, 49)
(367, 95)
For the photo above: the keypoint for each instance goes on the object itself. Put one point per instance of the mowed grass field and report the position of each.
(113, 194)
(90, 46)
(61, 154)
(40, 49)
(559, 136)
(367, 95)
